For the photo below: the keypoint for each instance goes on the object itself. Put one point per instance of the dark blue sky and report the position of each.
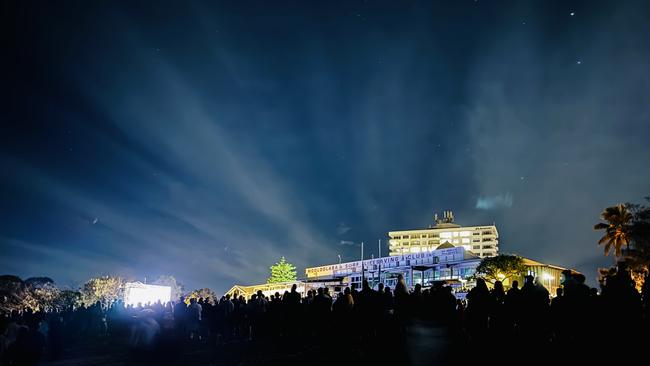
(206, 140)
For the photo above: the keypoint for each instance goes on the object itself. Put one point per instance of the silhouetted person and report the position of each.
(29, 346)
(478, 308)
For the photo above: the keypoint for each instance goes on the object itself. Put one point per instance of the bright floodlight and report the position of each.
(138, 293)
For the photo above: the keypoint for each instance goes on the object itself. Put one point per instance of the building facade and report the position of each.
(454, 266)
(483, 241)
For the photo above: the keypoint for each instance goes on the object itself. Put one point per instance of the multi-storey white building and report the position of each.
(480, 240)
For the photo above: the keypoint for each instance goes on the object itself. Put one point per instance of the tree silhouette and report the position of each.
(617, 228)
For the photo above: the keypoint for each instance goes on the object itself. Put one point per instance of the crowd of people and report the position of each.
(576, 316)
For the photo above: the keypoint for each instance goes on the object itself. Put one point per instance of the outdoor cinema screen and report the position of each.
(138, 293)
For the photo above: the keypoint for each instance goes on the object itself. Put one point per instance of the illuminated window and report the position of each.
(464, 233)
(455, 234)
(465, 240)
(445, 235)
(415, 250)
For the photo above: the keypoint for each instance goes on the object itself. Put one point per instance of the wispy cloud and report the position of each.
(494, 202)
(343, 229)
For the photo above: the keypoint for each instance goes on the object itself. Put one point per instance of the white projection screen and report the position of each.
(138, 293)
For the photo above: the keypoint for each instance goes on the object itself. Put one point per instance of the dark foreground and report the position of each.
(400, 327)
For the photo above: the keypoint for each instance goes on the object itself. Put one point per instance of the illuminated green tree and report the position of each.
(202, 293)
(282, 271)
(105, 289)
(42, 293)
(500, 268)
(35, 293)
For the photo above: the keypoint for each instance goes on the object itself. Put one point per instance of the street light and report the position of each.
(339, 258)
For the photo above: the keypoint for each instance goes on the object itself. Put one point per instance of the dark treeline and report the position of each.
(381, 326)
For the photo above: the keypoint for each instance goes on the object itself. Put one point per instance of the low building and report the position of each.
(449, 265)
(547, 274)
(269, 289)
(452, 265)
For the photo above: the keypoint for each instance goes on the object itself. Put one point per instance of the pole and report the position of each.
(379, 268)
(362, 253)
(362, 271)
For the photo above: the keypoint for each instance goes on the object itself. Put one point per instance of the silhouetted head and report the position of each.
(192, 300)
(320, 291)
(260, 293)
(528, 279)
(365, 284)
(380, 287)
(559, 292)
(481, 285)
(294, 287)
(347, 291)
(498, 286)
(182, 299)
(515, 284)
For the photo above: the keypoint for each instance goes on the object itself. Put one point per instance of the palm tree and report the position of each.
(617, 228)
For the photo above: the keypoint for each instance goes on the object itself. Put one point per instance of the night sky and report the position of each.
(206, 140)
